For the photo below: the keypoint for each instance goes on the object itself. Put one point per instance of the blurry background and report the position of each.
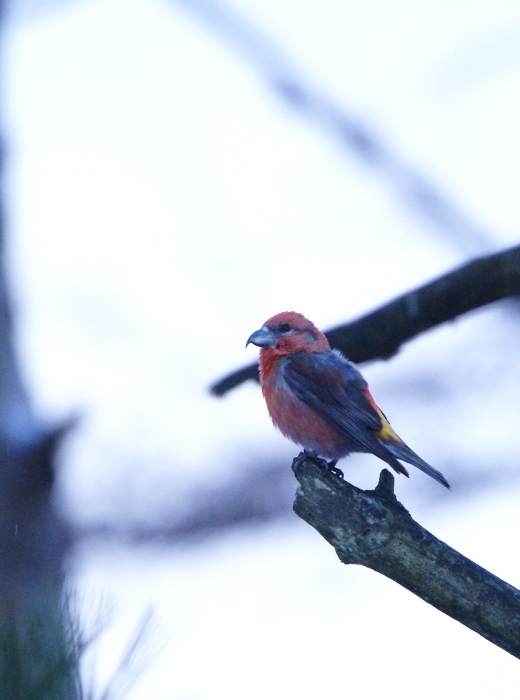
(179, 171)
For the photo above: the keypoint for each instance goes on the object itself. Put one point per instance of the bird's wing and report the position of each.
(333, 387)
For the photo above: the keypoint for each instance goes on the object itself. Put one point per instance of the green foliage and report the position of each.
(41, 650)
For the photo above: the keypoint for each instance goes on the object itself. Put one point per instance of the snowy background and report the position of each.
(163, 199)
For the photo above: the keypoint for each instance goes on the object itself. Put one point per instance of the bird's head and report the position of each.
(289, 332)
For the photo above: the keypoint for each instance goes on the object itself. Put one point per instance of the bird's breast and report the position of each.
(300, 423)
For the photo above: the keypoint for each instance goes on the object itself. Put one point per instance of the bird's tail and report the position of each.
(403, 452)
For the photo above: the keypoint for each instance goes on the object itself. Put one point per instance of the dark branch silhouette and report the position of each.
(273, 66)
(380, 334)
(373, 529)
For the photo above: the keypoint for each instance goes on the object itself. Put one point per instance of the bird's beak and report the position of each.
(263, 337)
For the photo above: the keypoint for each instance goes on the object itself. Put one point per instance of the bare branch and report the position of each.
(380, 334)
(341, 124)
(231, 381)
(373, 529)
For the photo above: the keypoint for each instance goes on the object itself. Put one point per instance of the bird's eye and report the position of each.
(284, 328)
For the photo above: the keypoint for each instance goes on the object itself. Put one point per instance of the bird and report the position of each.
(318, 399)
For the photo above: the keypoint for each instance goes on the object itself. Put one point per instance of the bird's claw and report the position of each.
(332, 469)
(300, 459)
(322, 463)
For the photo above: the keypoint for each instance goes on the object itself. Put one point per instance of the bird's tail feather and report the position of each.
(403, 452)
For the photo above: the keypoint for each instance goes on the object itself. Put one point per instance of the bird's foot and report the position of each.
(322, 463)
(300, 459)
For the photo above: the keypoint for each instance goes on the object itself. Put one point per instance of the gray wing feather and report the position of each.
(332, 387)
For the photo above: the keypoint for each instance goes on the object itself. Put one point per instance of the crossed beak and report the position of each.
(263, 337)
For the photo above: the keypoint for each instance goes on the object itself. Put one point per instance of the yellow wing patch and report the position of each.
(387, 432)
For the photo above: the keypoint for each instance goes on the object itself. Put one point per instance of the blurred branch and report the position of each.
(255, 493)
(380, 334)
(344, 127)
(373, 529)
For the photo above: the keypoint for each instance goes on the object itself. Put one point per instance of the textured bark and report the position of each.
(373, 529)
(380, 334)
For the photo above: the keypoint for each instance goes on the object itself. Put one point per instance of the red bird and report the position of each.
(319, 400)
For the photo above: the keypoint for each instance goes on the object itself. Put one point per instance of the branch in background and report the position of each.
(344, 127)
(380, 334)
(252, 495)
(373, 529)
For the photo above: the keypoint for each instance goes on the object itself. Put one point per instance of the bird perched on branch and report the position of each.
(319, 400)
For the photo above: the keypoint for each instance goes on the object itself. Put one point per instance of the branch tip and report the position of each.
(385, 486)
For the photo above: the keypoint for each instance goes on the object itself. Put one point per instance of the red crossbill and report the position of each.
(319, 400)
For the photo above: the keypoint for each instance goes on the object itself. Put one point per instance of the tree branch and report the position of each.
(380, 334)
(341, 124)
(373, 529)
